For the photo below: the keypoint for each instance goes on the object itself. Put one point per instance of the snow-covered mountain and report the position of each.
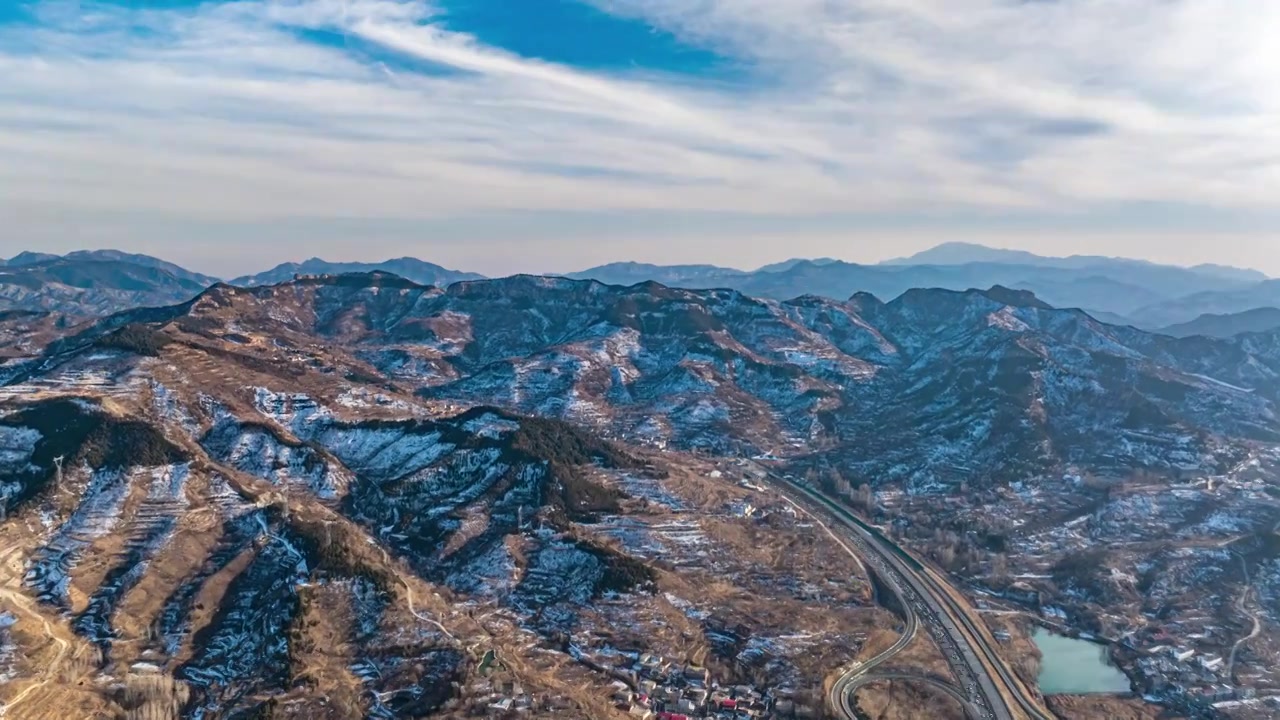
(255, 499)
(356, 490)
(934, 384)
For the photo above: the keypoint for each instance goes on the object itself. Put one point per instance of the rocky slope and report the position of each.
(336, 495)
(202, 520)
(931, 388)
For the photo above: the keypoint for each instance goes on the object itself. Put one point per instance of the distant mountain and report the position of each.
(1227, 272)
(29, 258)
(145, 261)
(1109, 287)
(1091, 287)
(1225, 326)
(88, 285)
(1214, 302)
(788, 264)
(413, 269)
(1093, 291)
(632, 273)
(959, 253)
(1109, 318)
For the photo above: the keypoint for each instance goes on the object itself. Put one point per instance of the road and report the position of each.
(844, 692)
(1241, 606)
(990, 689)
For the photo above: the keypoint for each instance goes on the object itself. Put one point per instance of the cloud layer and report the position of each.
(269, 111)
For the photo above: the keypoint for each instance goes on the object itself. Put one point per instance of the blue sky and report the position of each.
(505, 135)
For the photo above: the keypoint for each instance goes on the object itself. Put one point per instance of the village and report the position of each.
(649, 686)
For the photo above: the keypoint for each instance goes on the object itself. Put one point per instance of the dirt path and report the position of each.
(50, 671)
(1241, 602)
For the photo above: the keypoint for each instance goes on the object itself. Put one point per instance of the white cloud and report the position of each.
(229, 111)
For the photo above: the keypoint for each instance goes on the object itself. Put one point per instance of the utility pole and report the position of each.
(57, 477)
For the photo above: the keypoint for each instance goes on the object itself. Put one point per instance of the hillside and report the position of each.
(219, 509)
(1224, 326)
(931, 387)
(86, 286)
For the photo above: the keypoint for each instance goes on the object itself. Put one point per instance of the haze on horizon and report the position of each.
(552, 135)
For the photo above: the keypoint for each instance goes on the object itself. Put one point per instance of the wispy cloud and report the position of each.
(306, 109)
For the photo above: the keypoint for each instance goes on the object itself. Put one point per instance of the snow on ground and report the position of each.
(293, 410)
(257, 451)
(8, 650)
(1219, 383)
(651, 489)
(149, 530)
(362, 398)
(1267, 580)
(690, 610)
(382, 451)
(96, 516)
(490, 426)
(680, 542)
(1221, 523)
(17, 445)
(493, 574)
(170, 482)
(170, 409)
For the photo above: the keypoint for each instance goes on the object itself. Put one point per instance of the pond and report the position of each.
(1076, 667)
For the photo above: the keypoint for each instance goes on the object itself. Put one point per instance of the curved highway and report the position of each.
(988, 687)
(843, 694)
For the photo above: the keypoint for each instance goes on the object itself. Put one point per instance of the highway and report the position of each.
(986, 687)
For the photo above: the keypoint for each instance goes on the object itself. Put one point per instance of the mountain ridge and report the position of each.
(1223, 326)
(408, 267)
(722, 366)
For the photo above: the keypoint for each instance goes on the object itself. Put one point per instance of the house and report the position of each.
(1212, 664)
(695, 673)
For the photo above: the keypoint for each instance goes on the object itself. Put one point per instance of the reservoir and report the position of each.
(1076, 667)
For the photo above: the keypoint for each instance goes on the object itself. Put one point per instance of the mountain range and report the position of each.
(264, 502)
(1224, 326)
(418, 271)
(931, 385)
(1117, 291)
(355, 495)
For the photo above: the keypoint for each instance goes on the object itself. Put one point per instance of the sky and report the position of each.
(551, 135)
